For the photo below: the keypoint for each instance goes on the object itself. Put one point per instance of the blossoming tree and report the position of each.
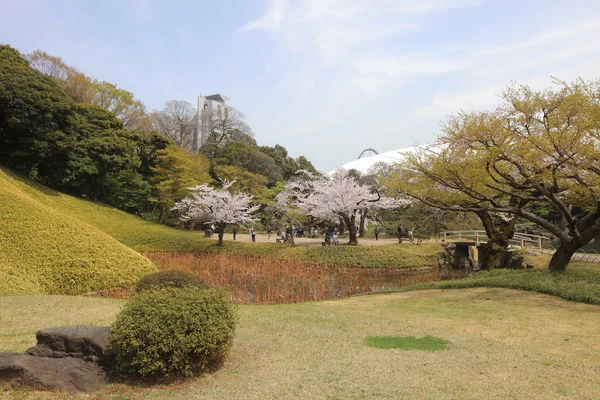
(216, 206)
(331, 199)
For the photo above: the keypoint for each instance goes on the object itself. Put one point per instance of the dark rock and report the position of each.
(512, 260)
(69, 374)
(78, 341)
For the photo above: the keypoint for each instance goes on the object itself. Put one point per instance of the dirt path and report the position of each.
(243, 236)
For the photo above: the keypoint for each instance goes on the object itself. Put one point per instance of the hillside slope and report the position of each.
(45, 248)
(130, 230)
(145, 236)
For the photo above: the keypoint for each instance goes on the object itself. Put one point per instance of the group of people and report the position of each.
(251, 232)
(409, 233)
(329, 234)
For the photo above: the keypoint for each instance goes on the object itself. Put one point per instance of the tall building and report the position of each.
(207, 107)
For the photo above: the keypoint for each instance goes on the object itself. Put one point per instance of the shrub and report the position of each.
(173, 332)
(170, 278)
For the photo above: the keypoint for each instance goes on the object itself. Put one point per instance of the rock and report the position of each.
(533, 253)
(69, 374)
(79, 341)
(512, 260)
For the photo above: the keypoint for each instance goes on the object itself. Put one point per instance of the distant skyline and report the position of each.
(324, 78)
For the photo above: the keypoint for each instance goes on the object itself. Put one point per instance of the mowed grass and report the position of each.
(427, 343)
(505, 344)
(43, 250)
(580, 282)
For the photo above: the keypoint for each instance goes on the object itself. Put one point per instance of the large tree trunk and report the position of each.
(361, 229)
(499, 232)
(491, 253)
(562, 256)
(221, 230)
(352, 231)
(342, 226)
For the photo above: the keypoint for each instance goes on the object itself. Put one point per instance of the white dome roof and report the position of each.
(364, 164)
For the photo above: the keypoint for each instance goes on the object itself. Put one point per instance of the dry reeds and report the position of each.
(261, 280)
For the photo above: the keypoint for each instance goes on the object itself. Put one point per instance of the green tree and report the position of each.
(288, 165)
(245, 181)
(83, 89)
(242, 155)
(451, 179)
(540, 148)
(35, 120)
(177, 170)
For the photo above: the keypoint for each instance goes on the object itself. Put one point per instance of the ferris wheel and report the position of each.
(367, 153)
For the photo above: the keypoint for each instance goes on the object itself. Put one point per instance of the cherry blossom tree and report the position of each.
(340, 197)
(216, 206)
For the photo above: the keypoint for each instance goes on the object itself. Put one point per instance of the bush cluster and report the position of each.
(173, 332)
(170, 278)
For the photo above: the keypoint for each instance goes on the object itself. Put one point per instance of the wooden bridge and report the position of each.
(523, 240)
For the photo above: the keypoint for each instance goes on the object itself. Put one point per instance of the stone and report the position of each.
(68, 374)
(512, 260)
(79, 341)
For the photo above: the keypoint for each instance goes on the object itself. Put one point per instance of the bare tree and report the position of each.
(222, 125)
(175, 121)
(51, 66)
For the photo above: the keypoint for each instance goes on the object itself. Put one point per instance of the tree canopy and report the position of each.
(341, 197)
(216, 206)
(538, 149)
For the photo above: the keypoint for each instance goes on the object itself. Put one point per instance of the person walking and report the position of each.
(235, 230)
(376, 233)
(253, 234)
(400, 233)
(269, 230)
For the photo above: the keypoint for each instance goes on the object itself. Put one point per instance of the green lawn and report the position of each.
(580, 282)
(503, 344)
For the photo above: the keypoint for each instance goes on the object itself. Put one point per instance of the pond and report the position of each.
(260, 280)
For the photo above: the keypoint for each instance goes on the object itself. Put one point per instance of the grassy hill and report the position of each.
(54, 243)
(142, 235)
(45, 248)
(126, 228)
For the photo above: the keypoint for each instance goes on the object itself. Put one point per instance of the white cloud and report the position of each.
(430, 6)
(271, 20)
(443, 104)
(531, 61)
(366, 66)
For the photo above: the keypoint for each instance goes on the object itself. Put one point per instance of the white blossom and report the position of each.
(331, 199)
(216, 206)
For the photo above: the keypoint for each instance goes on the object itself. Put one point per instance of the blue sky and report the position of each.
(324, 78)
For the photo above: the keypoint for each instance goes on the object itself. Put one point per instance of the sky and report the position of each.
(324, 78)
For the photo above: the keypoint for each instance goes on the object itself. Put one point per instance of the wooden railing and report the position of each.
(479, 236)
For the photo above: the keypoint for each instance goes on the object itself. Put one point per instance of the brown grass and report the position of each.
(504, 344)
(262, 280)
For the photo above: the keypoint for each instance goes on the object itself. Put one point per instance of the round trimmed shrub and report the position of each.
(170, 278)
(173, 332)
